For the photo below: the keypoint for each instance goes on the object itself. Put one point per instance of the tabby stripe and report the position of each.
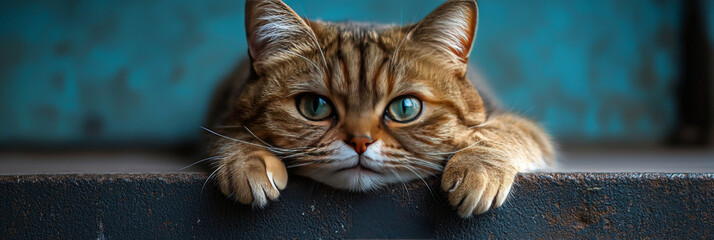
(343, 65)
(380, 44)
(390, 83)
(376, 78)
(419, 138)
(327, 74)
(363, 89)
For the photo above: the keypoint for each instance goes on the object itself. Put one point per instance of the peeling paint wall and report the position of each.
(128, 71)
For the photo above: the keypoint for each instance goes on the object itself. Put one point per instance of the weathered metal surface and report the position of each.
(173, 206)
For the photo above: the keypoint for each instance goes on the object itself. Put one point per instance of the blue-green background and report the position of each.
(122, 72)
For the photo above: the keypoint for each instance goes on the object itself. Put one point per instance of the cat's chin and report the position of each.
(358, 179)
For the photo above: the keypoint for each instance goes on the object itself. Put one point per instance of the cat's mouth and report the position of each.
(358, 167)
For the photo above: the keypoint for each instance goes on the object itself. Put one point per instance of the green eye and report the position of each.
(314, 107)
(404, 109)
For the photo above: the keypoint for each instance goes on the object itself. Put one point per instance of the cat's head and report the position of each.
(357, 106)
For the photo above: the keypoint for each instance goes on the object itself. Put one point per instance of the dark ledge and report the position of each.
(172, 206)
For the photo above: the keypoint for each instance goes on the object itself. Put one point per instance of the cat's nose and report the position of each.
(360, 143)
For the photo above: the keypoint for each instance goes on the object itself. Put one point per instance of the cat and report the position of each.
(358, 106)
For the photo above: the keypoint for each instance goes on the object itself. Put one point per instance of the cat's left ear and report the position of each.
(448, 32)
(276, 35)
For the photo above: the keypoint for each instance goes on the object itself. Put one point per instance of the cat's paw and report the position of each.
(473, 190)
(253, 179)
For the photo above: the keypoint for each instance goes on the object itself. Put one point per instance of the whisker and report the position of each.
(272, 149)
(209, 178)
(402, 181)
(303, 57)
(395, 54)
(422, 179)
(319, 47)
(307, 151)
(227, 126)
(200, 161)
(304, 161)
(300, 164)
(233, 139)
(425, 163)
(256, 137)
(315, 161)
(454, 152)
(292, 156)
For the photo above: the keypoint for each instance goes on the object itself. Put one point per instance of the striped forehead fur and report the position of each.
(369, 63)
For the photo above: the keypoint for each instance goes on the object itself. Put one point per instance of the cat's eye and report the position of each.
(404, 109)
(314, 107)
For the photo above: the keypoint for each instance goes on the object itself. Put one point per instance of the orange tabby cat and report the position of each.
(358, 106)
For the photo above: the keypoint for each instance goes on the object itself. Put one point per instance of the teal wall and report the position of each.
(142, 71)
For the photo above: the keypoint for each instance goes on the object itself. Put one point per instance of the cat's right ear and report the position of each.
(276, 34)
(448, 33)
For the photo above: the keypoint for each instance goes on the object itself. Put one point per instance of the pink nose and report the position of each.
(360, 143)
